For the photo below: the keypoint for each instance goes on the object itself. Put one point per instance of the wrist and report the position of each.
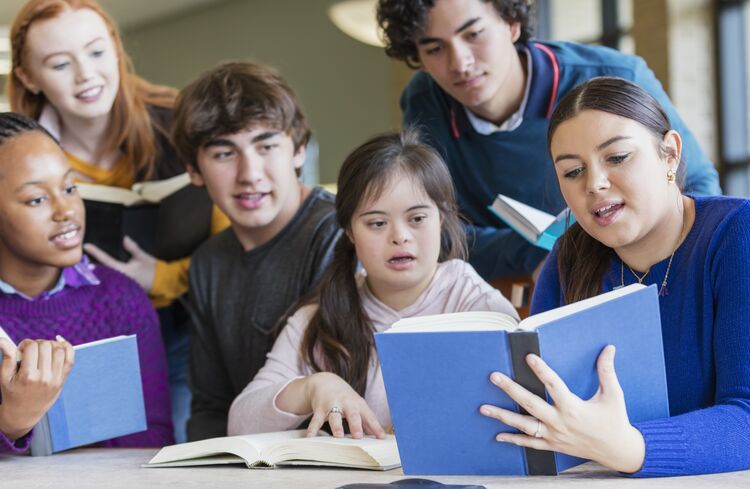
(14, 427)
(631, 453)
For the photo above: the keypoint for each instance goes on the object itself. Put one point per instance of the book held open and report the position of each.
(283, 448)
(167, 218)
(537, 227)
(436, 372)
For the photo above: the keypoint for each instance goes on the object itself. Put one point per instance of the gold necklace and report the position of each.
(663, 289)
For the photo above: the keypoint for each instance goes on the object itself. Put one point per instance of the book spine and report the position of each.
(538, 462)
(41, 439)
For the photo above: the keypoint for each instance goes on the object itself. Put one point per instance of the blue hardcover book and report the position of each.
(102, 398)
(538, 227)
(436, 371)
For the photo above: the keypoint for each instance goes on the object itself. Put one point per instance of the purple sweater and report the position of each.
(117, 306)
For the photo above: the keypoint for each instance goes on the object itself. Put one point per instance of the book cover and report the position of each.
(537, 227)
(101, 399)
(169, 219)
(436, 378)
(283, 448)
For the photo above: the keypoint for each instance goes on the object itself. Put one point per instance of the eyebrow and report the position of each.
(228, 142)
(39, 182)
(464, 26)
(64, 52)
(602, 146)
(410, 209)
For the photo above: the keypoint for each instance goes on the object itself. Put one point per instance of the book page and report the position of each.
(83, 346)
(194, 453)
(157, 191)
(527, 215)
(456, 321)
(105, 193)
(367, 452)
(545, 317)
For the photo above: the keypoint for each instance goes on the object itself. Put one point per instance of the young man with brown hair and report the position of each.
(241, 133)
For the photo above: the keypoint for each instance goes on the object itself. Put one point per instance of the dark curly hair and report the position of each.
(403, 20)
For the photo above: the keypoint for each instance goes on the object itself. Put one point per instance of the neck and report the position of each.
(399, 298)
(663, 240)
(85, 138)
(253, 237)
(27, 279)
(508, 100)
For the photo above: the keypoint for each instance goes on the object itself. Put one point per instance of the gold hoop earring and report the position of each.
(671, 176)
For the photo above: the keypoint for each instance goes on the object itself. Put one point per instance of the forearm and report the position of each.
(257, 410)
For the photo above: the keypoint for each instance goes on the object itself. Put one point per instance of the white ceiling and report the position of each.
(127, 13)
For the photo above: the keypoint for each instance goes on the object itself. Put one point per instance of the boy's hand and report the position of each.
(29, 389)
(141, 267)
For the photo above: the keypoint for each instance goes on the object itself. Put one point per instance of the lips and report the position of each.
(68, 237)
(401, 261)
(470, 82)
(605, 213)
(90, 94)
(250, 200)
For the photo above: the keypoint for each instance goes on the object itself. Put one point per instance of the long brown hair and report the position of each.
(131, 125)
(582, 260)
(340, 331)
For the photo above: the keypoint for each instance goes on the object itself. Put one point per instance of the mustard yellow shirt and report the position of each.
(170, 278)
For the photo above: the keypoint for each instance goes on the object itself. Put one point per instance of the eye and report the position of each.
(71, 189)
(474, 34)
(222, 154)
(431, 50)
(97, 53)
(617, 159)
(60, 66)
(265, 148)
(419, 219)
(573, 173)
(36, 201)
(376, 224)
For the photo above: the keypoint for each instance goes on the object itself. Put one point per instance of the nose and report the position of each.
(64, 209)
(461, 57)
(84, 69)
(399, 234)
(250, 168)
(597, 179)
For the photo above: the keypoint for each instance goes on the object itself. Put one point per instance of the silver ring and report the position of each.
(335, 410)
(537, 434)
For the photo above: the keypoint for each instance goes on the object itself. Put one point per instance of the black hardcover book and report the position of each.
(169, 228)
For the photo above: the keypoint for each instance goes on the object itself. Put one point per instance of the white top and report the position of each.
(455, 287)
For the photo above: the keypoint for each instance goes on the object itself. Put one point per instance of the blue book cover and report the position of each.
(436, 377)
(101, 399)
(537, 227)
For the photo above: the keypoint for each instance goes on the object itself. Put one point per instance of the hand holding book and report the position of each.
(141, 266)
(597, 429)
(31, 378)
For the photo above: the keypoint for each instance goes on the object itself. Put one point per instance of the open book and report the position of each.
(283, 448)
(447, 359)
(538, 227)
(102, 398)
(167, 218)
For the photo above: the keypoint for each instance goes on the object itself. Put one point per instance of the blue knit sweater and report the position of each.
(706, 333)
(516, 163)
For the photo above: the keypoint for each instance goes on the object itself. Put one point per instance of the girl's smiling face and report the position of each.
(397, 238)
(41, 214)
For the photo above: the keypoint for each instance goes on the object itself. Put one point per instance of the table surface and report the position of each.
(114, 468)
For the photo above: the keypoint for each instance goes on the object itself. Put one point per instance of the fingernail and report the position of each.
(532, 359)
(60, 339)
(485, 410)
(497, 378)
(500, 437)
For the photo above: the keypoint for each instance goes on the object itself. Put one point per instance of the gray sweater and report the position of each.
(236, 299)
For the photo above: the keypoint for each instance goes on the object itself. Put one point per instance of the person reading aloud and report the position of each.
(620, 169)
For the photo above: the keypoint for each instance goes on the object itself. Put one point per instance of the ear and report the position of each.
(299, 157)
(195, 176)
(515, 31)
(26, 80)
(673, 146)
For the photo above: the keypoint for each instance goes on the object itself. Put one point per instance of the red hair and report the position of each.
(131, 126)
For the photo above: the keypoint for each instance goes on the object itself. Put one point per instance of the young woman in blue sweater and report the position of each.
(618, 164)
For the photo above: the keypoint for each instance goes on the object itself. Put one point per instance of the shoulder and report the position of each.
(422, 97)
(317, 216)
(721, 215)
(297, 322)
(117, 290)
(218, 248)
(467, 290)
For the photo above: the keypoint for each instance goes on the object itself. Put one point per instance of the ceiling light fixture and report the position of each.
(356, 18)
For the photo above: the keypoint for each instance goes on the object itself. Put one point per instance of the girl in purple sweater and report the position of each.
(48, 288)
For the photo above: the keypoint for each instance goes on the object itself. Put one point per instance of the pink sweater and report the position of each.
(456, 287)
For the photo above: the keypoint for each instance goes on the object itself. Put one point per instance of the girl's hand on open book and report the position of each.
(596, 429)
(326, 391)
(29, 389)
(141, 267)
